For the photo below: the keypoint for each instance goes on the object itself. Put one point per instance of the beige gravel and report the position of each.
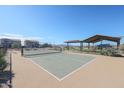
(104, 71)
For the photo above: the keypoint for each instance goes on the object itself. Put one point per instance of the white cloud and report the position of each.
(9, 35)
(21, 37)
(17, 36)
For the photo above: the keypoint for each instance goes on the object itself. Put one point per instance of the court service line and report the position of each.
(43, 69)
(77, 69)
(65, 75)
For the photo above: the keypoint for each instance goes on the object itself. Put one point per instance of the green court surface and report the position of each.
(61, 64)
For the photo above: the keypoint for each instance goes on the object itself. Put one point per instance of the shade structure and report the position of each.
(94, 39)
(98, 38)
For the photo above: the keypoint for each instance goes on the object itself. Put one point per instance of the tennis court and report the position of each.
(60, 65)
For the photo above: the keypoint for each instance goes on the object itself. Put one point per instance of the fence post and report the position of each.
(22, 50)
(10, 82)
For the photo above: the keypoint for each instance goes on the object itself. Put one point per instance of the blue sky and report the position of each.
(55, 24)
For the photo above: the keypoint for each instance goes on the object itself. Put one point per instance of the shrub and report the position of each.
(109, 52)
(3, 63)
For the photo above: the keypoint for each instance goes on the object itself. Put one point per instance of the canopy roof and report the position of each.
(98, 38)
(95, 38)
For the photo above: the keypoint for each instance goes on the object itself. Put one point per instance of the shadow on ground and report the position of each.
(6, 79)
(119, 56)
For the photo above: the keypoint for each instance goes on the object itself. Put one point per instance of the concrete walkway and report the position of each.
(102, 72)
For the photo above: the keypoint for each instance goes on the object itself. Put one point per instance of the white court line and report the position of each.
(77, 69)
(65, 75)
(43, 68)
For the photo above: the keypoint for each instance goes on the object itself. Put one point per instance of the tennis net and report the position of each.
(41, 51)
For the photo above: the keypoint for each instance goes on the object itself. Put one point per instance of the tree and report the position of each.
(46, 45)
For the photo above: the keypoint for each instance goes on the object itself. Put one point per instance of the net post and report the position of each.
(61, 49)
(22, 50)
